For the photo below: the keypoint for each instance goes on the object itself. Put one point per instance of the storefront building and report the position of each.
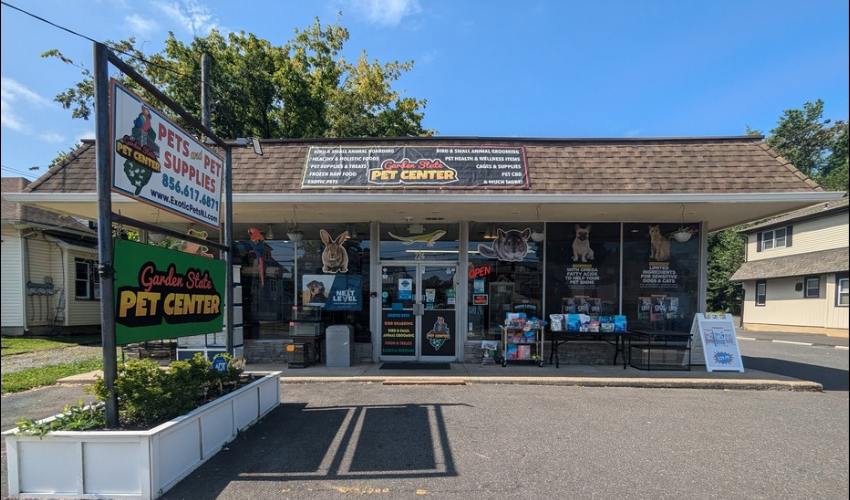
(423, 245)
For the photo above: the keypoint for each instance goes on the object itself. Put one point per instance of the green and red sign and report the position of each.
(165, 294)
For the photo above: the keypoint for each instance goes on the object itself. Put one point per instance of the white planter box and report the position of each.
(133, 464)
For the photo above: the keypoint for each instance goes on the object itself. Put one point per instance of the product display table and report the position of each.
(617, 339)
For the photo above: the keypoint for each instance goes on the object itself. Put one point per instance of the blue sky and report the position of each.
(546, 68)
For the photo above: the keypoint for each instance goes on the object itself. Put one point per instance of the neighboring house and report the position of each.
(795, 273)
(50, 282)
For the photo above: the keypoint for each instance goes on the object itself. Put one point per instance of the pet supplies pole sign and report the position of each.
(156, 162)
(446, 167)
(164, 294)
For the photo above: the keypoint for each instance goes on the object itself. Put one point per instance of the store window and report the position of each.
(505, 275)
(842, 290)
(660, 277)
(812, 287)
(583, 269)
(86, 280)
(324, 277)
(761, 293)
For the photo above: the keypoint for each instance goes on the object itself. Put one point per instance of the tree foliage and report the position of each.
(816, 146)
(303, 89)
(725, 256)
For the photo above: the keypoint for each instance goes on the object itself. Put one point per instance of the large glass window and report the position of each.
(328, 274)
(505, 274)
(583, 269)
(660, 277)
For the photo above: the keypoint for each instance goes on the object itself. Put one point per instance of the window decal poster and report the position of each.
(332, 292)
(446, 167)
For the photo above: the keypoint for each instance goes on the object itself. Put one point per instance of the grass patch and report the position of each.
(47, 375)
(17, 345)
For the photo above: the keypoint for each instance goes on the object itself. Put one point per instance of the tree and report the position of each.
(817, 149)
(725, 256)
(811, 144)
(303, 89)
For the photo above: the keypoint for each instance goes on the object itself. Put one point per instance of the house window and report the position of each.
(842, 290)
(86, 280)
(812, 288)
(761, 293)
(776, 238)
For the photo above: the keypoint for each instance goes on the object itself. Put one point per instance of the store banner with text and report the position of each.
(446, 167)
(165, 294)
(156, 162)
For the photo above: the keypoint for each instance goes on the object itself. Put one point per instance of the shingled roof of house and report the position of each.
(815, 211)
(17, 213)
(824, 261)
(556, 166)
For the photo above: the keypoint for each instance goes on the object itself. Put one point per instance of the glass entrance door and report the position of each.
(418, 312)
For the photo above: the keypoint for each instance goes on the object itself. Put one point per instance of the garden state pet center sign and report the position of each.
(444, 167)
(164, 294)
(156, 162)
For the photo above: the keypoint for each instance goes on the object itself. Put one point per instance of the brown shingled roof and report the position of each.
(556, 166)
(824, 261)
(819, 210)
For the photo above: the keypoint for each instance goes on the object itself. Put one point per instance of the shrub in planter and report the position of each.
(148, 394)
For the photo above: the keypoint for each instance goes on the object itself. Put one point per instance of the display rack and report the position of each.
(526, 342)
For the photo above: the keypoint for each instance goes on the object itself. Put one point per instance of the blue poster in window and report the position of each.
(333, 292)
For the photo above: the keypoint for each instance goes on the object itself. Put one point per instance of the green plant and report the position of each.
(148, 394)
(77, 417)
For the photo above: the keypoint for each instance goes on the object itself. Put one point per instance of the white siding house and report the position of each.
(795, 274)
(49, 270)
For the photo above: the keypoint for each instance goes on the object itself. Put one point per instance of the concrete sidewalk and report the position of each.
(524, 373)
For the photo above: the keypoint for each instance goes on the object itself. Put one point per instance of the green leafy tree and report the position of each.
(725, 256)
(816, 146)
(300, 90)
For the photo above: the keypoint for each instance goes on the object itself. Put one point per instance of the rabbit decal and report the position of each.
(334, 257)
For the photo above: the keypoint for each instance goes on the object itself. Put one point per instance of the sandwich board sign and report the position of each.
(718, 341)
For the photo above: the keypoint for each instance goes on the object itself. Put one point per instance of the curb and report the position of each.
(642, 383)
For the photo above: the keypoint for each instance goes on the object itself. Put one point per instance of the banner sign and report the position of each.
(445, 167)
(164, 294)
(333, 292)
(156, 162)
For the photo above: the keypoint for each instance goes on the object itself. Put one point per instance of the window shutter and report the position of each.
(758, 242)
(788, 236)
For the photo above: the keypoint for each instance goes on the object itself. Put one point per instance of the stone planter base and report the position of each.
(139, 465)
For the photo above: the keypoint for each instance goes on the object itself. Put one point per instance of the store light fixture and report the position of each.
(538, 236)
(270, 233)
(491, 233)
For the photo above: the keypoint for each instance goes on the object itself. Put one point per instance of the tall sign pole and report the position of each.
(104, 229)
